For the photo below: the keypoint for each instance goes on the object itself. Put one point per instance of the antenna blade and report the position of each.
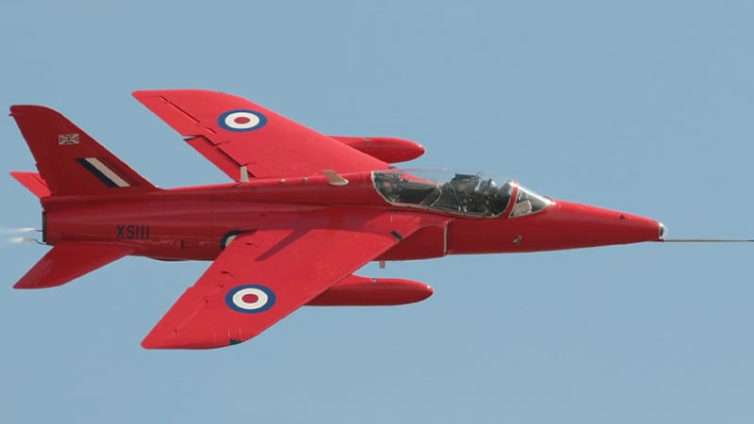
(334, 178)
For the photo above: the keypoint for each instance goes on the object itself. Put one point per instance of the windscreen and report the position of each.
(528, 202)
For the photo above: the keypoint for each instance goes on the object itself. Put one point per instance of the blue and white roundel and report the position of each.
(242, 120)
(250, 298)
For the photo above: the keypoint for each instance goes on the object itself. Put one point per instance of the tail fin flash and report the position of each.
(69, 161)
(68, 260)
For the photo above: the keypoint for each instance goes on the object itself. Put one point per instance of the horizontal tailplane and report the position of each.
(33, 182)
(69, 260)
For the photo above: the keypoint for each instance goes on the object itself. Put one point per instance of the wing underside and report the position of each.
(263, 276)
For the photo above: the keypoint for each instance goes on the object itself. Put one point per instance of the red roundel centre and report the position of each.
(250, 298)
(242, 120)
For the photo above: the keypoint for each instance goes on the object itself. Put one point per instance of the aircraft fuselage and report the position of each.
(196, 223)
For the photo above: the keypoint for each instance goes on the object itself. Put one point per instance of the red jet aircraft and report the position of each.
(304, 212)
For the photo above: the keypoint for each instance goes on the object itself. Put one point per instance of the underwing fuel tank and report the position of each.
(387, 149)
(360, 291)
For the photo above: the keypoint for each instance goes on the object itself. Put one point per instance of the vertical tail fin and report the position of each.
(69, 161)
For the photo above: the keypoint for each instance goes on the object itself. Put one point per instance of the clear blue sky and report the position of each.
(644, 106)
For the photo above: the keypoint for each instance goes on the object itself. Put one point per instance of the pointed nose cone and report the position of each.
(592, 226)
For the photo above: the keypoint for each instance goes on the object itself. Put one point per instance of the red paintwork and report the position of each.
(289, 228)
(386, 149)
(360, 291)
(280, 148)
(191, 222)
(33, 182)
(565, 225)
(275, 258)
(68, 260)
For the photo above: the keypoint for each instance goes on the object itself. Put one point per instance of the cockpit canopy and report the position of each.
(463, 194)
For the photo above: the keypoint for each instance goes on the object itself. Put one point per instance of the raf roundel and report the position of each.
(242, 120)
(250, 298)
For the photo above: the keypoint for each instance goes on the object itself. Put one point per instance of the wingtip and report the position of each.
(152, 342)
(175, 341)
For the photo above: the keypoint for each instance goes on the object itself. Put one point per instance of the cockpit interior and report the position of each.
(462, 194)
